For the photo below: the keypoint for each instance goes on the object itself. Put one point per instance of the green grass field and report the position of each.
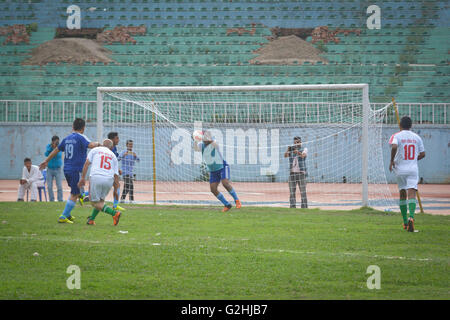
(201, 253)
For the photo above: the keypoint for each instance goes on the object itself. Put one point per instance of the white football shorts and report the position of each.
(99, 187)
(407, 181)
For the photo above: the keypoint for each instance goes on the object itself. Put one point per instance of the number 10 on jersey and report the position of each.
(410, 151)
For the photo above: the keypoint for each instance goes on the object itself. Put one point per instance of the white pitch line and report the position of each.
(41, 239)
(226, 248)
(346, 254)
(338, 254)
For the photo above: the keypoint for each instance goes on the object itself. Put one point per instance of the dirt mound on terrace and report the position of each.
(289, 50)
(69, 50)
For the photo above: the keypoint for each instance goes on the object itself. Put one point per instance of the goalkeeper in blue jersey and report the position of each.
(219, 170)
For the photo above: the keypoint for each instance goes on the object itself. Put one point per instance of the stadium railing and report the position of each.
(57, 111)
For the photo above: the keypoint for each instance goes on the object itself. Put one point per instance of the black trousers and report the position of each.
(128, 187)
(297, 178)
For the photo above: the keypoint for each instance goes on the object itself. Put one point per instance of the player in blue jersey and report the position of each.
(75, 148)
(219, 170)
(114, 137)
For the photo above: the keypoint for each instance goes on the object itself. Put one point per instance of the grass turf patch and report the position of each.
(201, 253)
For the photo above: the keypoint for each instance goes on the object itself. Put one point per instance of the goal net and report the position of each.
(254, 128)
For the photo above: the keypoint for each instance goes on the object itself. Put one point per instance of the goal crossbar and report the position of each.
(238, 88)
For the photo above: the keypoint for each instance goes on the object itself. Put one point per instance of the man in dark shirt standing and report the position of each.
(297, 171)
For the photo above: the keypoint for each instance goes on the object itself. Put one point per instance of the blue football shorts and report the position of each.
(217, 176)
(72, 178)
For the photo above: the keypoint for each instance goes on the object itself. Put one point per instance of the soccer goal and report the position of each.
(254, 127)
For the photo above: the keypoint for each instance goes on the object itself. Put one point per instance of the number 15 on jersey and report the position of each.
(105, 162)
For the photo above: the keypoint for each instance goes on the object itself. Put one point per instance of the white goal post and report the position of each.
(174, 105)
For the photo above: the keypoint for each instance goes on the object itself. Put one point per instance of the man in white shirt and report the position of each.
(32, 178)
(406, 149)
(104, 174)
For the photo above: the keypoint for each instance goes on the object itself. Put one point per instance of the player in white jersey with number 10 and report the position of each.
(104, 174)
(407, 149)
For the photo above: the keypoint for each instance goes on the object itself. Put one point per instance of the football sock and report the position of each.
(412, 207)
(404, 211)
(222, 199)
(233, 194)
(108, 210)
(68, 208)
(94, 213)
(116, 201)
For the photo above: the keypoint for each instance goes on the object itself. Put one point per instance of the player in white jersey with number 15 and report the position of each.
(104, 174)
(407, 149)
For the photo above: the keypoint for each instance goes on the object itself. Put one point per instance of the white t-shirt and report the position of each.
(295, 165)
(409, 145)
(103, 162)
(34, 175)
